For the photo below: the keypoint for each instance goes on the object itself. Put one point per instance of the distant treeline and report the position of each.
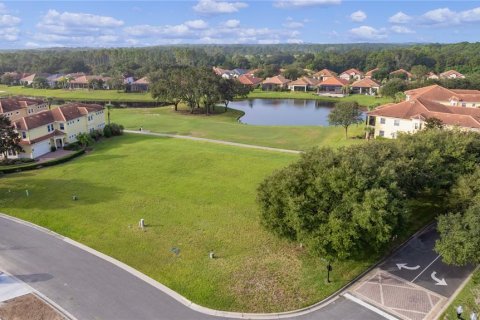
(464, 57)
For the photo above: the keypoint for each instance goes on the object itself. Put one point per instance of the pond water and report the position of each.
(284, 112)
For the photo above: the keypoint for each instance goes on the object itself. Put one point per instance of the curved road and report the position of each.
(89, 287)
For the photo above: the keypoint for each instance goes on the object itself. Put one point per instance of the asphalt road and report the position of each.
(89, 287)
(424, 267)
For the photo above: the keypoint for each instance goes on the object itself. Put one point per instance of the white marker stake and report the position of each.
(438, 281)
(401, 266)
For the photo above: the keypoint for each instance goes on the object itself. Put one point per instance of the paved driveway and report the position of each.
(89, 287)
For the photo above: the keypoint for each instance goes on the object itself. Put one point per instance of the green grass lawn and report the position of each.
(468, 298)
(363, 100)
(193, 196)
(224, 126)
(85, 95)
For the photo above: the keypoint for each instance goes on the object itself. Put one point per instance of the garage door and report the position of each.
(41, 148)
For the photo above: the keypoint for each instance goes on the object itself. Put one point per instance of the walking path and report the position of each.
(235, 144)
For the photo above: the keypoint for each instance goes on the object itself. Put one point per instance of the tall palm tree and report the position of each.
(109, 106)
(49, 101)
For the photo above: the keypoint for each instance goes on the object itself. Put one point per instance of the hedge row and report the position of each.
(33, 166)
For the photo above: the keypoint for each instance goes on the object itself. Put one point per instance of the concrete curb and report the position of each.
(201, 309)
(234, 144)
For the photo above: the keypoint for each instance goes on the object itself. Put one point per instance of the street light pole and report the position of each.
(329, 268)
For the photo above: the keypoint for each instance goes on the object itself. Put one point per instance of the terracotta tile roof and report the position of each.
(352, 70)
(85, 79)
(421, 108)
(439, 93)
(35, 120)
(448, 73)
(401, 71)
(304, 81)
(278, 80)
(12, 104)
(325, 73)
(72, 111)
(143, 80)
(55, 133)
(365, 83)
(249, 80)
(334, 81)
(432, 75)
(371, 72)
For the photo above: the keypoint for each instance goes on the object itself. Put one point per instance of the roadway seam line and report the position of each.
(382, 300)
(425, 269)
(369, 306)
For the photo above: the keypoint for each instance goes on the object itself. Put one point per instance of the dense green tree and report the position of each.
(40, 83)
(9, 138)
(419, 72)
(7, 79)
(345, 114)
(434, 123)
(393, 86)
(84, 139)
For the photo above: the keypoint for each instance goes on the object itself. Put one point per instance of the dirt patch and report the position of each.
(27, 307)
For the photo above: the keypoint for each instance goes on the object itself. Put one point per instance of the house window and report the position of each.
(62, 126)
(382, 120)
(24, 135)
(464, 104)
(473, 105)
(381, 133)
(396, 123)
(416, 126)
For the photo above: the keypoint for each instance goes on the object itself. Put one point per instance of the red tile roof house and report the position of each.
(28, 80)
(452, 74)
(85, 82)
(365, 86)
(57, 127)
(369, 74)
(410, 116)
(19, 107)
(333, 86)
(351, 74)
(448, 97)
(275, 83)
(249, 80)
(16, 76)
(324, 74)
(141, 85)
(304, 84)
(402, 72)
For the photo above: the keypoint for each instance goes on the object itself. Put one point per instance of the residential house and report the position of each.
(324, 74)
(410, 116)
(432, 76)
(224, 73)
(15, 77)
(333, 85)
(28, 80)
(54, 80)
(85, 82)
(365, 86)
(369, 74)
(448, 97)
(238, 72)
(58, 127)
(402, 73)
(19, 107)
(351, 74)
(141, 85)
(304, 84)
(128, 79)
(452, 74)
(276, 82)
(249, 80)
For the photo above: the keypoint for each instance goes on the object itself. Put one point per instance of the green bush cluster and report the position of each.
(11, 162)
(112, 129)
(351, 201)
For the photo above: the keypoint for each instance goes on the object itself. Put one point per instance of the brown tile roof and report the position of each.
(35, 120)
(422, 108)
(249, 80)
(12, 104)
(85, 79)
(365, 83)
(55, 133)
(334, 81)
(72, 111)
(325, 73)
(439, 93)
(304, 81)
(353, 70)
(448, 73)
(278, 80)
(371, 72)
(401, 71)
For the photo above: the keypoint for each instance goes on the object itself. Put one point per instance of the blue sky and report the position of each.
(36, 24)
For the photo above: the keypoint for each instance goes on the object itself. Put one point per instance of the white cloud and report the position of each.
(9, 34)
(232, 23)
(8, 20)
(367, 33)
(305, 3)
(268, 41)
(292, 24)
(167, 31)
(402, 30)
(442, 15)
(358, 16)
(73, 19)
(295, 41)
(196, 24)
(215, 6)
(400, 18)
(3, 8)
(472, 15)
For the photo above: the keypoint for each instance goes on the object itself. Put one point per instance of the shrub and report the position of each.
(96, 134)
(11, 162)
(113, 129)
(53, 148)
(73, 146)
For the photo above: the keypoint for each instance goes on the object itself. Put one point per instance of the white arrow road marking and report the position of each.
(401, 266)
(438, 281)
(418, 275)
